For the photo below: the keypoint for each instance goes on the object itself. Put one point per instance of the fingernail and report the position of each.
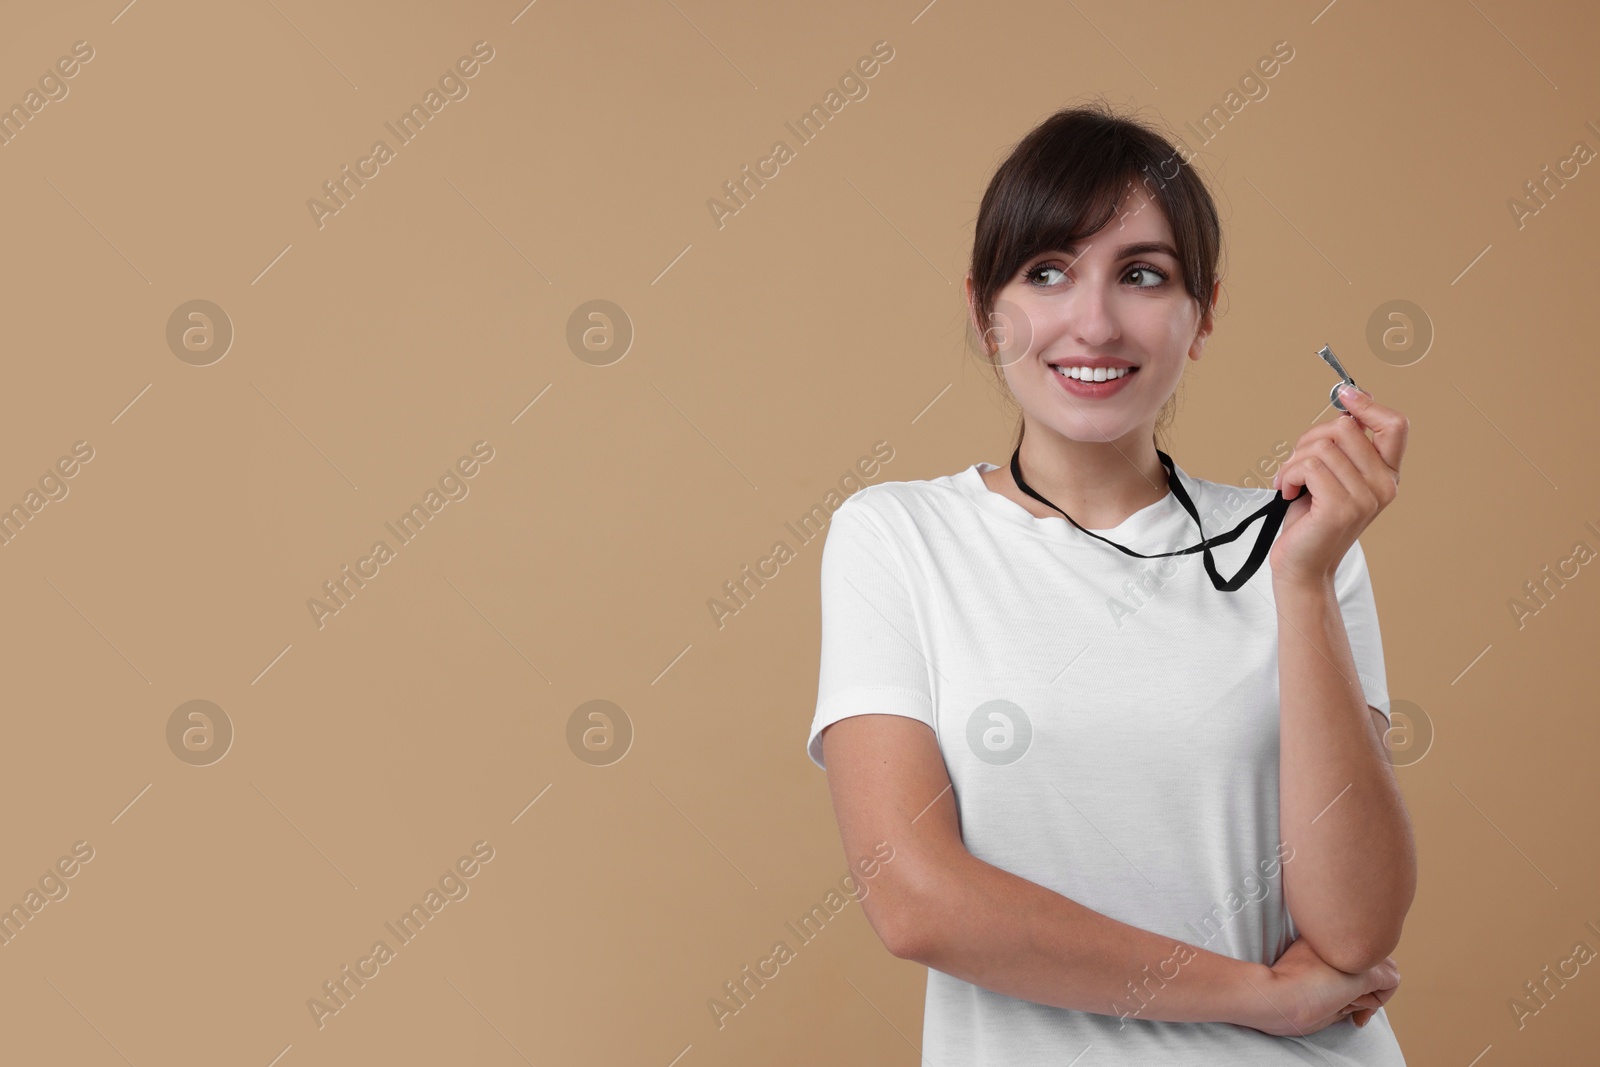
(1350, 392)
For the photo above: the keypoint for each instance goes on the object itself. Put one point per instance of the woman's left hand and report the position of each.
(1350, 478)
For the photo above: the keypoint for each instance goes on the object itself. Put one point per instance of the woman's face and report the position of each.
(1111, 299)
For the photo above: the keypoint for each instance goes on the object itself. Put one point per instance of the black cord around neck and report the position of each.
(1272, 512)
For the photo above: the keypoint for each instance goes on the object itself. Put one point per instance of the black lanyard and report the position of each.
(1273, 511)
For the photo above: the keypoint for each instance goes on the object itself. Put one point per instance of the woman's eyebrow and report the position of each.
(1138, 248)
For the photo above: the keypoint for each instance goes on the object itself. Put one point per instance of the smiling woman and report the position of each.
(1085, 786)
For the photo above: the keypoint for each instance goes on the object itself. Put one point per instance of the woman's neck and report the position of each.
(1099, 483)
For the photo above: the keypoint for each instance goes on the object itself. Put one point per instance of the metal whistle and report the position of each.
(1344, 378)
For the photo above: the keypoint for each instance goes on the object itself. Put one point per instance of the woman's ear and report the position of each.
(1208, 322)
(972, 316)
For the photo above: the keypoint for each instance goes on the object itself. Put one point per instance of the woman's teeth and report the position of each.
(1094, 374)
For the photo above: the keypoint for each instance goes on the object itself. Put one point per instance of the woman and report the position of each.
(1109, 776)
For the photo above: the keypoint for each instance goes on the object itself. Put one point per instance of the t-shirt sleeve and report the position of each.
(873, 657)
(1352, 584)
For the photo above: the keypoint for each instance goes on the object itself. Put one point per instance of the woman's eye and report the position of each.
(1151, 276)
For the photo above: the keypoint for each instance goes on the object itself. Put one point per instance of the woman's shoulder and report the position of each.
(909, 500)
(1245, 494)
(916, 488)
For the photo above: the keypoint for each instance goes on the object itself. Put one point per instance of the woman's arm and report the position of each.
(1354, 871)
(937, 904)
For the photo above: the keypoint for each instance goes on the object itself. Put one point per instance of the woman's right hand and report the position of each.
(1304, 994)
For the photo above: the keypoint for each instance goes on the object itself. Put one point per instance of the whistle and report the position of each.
(1344, 378)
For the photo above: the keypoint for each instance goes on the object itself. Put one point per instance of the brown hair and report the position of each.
(1064, 181)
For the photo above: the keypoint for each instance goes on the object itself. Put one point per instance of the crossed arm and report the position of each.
(1348, 888)
(941, 906)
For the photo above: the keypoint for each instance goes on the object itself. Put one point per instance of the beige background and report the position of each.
(769, 355)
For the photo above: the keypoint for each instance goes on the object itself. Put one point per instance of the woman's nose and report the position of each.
(1088, 316)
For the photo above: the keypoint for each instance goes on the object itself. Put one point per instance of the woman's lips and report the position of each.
(1092, 390)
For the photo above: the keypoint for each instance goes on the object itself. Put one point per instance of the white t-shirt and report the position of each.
(1110, 727)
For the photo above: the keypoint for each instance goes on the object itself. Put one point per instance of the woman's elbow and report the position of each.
(898, 911)
(1355, 959)
(1356, 955)
(894, 920)
(1370, 943)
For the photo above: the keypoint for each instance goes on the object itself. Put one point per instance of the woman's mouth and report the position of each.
(1082, 381)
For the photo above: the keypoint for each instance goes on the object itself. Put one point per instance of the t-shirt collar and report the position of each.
(1159, 520)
